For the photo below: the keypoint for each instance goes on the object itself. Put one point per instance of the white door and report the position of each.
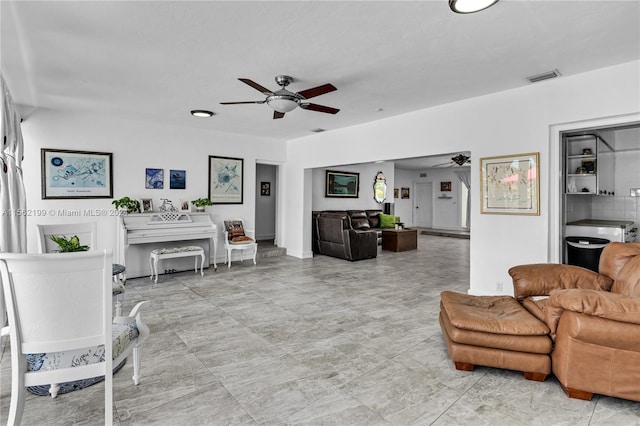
(423, 204)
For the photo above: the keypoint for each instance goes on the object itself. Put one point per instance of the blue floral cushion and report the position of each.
(122, 335)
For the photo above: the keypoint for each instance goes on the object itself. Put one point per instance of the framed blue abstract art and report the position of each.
(226, 180)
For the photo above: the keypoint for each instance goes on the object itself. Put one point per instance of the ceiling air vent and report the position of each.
(544, 76)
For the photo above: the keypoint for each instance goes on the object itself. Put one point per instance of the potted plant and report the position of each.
(200, 203)
(127, 204)
(68, 245)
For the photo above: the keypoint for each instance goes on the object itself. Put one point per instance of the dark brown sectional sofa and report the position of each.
(347, 234)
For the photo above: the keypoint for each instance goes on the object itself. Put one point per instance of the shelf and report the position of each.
(582, 157)
(582, 174)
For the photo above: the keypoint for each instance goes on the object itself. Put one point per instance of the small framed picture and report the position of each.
(396, 192)
(445, 186)
(146, 205)
(154, 179)
(185, 205)
(177, 179)
(404, 193)
(265, 188)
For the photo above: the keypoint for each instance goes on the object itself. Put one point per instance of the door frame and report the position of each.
(413, 203)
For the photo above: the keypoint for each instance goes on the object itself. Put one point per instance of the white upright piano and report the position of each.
(139, 233)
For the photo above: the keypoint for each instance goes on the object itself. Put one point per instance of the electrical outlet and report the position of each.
(499, 286)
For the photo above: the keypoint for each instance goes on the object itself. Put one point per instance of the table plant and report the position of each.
(200, 203)
(127, 204)
(68, 245)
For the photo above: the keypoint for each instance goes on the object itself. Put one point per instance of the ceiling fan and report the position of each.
(283, 101)
(459, 159)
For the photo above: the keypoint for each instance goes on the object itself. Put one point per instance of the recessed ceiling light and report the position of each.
(379, 109)
(470, 6)
(201, 113)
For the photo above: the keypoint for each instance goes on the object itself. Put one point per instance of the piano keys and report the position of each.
(139, 233)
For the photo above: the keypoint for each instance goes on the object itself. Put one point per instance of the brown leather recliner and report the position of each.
(596, 331)
(335, 237)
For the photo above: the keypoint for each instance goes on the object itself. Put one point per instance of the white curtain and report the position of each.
(465, 178)
(13, 221)
(13, 224)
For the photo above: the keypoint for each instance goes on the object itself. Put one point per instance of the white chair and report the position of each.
(236, 237)
(59, 310)
(87, 233)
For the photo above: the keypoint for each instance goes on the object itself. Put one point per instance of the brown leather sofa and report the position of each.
(335, 236)
(593, 318)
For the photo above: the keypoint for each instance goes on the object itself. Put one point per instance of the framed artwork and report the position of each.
(76, 174)
(265, 188)
(342, 184)
(226, 177)
(154, 179)
(404, 193)
(396, 192)
(146, 205)
(185, 206)
(509, 184)
(177, 179)
(445, 186)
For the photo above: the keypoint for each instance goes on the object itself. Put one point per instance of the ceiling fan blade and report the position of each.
(317, 91)
(444, 164)
(242, 102)
(256, 86)
(277, 115)
(320, 108)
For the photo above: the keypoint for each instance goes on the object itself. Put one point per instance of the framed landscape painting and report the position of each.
(342, 184)
(76, 174)
(226, 176)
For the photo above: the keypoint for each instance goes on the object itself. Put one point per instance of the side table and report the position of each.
(399, 239)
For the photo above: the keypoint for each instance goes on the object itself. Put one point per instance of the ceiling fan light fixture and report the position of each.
(470, 6)
(201, 113)
(282, 103)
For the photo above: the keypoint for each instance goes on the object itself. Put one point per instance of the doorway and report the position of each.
(266, 196)
(423, 204)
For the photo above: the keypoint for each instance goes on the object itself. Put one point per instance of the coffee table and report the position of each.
(399, 239)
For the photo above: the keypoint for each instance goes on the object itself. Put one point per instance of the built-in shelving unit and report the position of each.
(588, 165)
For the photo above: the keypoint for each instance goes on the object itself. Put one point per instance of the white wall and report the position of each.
(137, 145)
(510, 122)
(365, 199)
(404, 206)
(445, 212)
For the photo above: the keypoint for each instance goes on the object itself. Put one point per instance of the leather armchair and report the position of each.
(594, 319)
(335, 237)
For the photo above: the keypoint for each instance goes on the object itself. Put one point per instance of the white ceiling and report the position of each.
(156, 61)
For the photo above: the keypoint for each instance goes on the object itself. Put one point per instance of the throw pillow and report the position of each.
(234, 229)
(243, 239)
(387, 220)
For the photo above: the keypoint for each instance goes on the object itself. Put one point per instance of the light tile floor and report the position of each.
(314, 341)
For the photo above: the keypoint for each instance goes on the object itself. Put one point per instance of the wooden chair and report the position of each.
(236, 237)
(59, 309)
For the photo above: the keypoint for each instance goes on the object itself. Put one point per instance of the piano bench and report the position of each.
(173, 252)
